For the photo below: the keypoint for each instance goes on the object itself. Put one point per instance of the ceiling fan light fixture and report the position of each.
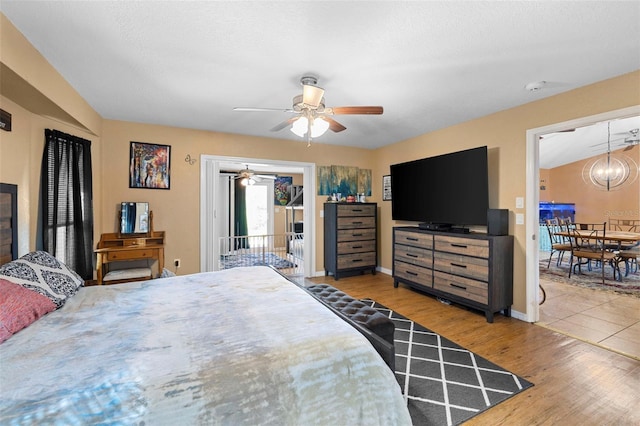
(300, 127)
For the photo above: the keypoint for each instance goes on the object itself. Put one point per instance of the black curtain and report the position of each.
(67, 201)
(240, 214)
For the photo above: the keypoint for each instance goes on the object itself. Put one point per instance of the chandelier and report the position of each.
(611, 171)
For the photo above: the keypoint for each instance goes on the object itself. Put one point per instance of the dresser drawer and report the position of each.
(356, 222)
(356, 210)
(413, 273)
(357, 260)
(414, 255)
(471, 267)
(466, 246)
(414, 239)
(356, 247)
(463, 287)
(129, 254)
(356, 235)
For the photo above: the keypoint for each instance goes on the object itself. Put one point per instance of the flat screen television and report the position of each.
(449, 190)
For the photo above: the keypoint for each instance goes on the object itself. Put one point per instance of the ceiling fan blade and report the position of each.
(284, 124)
(261, 109)
(355, 110)
(334, 125)
(312, 95)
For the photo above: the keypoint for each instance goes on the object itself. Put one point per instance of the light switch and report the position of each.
(519, 202)
(519, 219)
(321, 213)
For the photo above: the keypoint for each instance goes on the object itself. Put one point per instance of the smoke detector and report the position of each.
(535, 86)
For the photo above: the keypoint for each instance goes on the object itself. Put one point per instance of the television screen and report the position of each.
(450, 189)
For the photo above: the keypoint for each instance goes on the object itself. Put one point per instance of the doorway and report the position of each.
(533, 198)
(214, 204)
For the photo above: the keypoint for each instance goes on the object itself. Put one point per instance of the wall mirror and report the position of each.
(134, 218)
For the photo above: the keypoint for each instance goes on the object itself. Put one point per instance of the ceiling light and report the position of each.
(611, 171)
(318, 126)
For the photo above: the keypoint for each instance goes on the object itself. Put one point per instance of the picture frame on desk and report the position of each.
(149, 166)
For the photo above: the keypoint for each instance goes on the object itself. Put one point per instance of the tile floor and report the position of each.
(607, 319)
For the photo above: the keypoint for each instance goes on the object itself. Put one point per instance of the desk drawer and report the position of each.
(356, 234)
(414, 239)
(130, 255)
(356, 210)
(471, 267)
(356, 247)
(346, 261)
(356, 222)
(463, 287)
(414, 255)
(459, 245)
(413, 273)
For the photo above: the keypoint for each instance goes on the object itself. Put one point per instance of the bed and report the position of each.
(238, 346)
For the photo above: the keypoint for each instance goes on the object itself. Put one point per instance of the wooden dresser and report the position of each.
(350, 238)
(474, 270)
(115, 248)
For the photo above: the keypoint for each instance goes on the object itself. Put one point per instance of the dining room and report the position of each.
(596, 300)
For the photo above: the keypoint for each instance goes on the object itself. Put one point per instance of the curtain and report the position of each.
(67, 201)
(240, 214)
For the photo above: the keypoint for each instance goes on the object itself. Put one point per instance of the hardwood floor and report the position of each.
(575, 382)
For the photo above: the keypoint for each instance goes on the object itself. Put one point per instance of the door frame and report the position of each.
(532, 252)
(211, 202)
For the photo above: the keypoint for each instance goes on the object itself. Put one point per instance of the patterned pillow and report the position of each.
(19, 307)
(43, 273)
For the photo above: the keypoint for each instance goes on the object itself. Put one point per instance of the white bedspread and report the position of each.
(240, 346)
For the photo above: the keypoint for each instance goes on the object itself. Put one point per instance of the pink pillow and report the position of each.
(20, 307)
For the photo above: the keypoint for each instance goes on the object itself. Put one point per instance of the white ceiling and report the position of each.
(430, 64)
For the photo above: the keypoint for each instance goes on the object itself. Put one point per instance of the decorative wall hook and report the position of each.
(190, 160)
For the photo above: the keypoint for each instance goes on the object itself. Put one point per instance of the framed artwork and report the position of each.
(282, 190)
(149, 166)
(386, 188)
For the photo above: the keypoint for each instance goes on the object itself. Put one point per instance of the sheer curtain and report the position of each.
(67, 201)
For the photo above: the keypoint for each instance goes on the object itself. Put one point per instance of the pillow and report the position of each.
(41, 272)
(166, 273)
(19, 307)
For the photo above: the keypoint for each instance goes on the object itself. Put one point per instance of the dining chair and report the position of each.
(630, 258)
(559, 244)
(624, 225)
(588, 244)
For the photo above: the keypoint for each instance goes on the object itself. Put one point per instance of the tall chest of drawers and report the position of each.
(474, 270)
(350, 238)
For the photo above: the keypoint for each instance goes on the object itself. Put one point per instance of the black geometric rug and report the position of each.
(444, 383)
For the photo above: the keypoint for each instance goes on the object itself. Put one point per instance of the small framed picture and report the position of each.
(386, 188)
(149, 166)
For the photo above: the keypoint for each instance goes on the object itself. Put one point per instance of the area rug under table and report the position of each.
(444, 383)
(629, 284)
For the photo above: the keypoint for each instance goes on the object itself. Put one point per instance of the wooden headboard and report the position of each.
(8, 222)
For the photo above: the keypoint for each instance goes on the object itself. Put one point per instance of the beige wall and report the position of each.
(177, 210)
(565, 185)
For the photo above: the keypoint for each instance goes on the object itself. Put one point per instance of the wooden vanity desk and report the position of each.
(116, 248)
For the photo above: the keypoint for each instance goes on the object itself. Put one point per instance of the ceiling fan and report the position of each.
(629, 139)
(249, 177)
(311, 117)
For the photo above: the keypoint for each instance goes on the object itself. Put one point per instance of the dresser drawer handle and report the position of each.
(356, 210)
(411, 273)
(357, 260)
(458, 286)
(357, 222)
(415, 256)
(412, 239)
(357, 235)
(458, 245)
(458, 265)
(356, 247)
